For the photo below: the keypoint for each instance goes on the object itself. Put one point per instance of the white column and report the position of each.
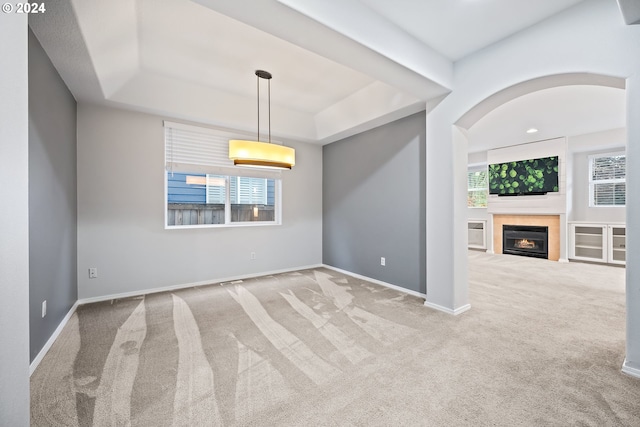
(447, 285)
(14, 221)
(632, 361)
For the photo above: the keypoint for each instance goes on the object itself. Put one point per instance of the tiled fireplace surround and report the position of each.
(550, 221)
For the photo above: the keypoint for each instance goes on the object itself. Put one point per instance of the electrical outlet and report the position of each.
(44, 308)
(253, 255)
(383, 261)
(93, 273)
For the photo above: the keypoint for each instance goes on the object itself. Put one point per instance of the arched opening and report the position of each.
(473, 115)
(573, 116)
(447, 284)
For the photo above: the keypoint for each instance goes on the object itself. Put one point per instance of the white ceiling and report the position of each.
(556, 112)
(339, 67)
(207, 48)
(457, 28)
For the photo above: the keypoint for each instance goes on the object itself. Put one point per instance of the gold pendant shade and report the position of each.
(262, 154)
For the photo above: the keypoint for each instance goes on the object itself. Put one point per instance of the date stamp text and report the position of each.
(24, 8)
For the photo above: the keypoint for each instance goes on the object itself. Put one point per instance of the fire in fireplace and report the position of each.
(525, 244)
(525, 240)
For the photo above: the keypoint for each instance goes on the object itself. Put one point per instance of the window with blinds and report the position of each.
(477, 187)
(607, 180)
(204, 188)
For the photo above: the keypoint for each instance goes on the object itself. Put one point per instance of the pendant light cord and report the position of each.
(261, 74)
(269, 102)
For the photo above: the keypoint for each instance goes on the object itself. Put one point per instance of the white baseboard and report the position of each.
(190, 285)
(490, 251)
(376, 281)
(52, 339)
(455, 312)
(447, 310)
(634, 372)
(563, 260)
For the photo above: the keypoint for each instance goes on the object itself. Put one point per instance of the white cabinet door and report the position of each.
(477, 230)
(617, 244)
(589, 242)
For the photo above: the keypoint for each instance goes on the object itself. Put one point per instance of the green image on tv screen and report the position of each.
(533, 176)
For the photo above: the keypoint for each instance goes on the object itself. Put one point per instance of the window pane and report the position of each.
(477, 179)
(611, 194)
(610, 167)
(246, 190)
(620, 194)
(194, 199)
(252, 199)
(607, 180)
(216, 189)
(477, 189)
(477, 199)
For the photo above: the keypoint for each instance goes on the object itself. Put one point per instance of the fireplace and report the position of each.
(525, 240)
(552, 222)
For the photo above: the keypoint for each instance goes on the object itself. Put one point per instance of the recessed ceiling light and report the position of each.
(532, 130)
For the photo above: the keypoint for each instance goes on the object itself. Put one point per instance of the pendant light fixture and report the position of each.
(262, 154)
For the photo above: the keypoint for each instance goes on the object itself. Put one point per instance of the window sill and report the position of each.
(239, 225)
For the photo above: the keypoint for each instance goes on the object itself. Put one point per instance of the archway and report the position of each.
(454, 298)
(481, 109)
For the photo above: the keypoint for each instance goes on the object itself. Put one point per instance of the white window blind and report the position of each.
(477, 187)
(204, 150)
(607, 179)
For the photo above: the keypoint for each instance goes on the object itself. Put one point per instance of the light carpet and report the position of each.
(542, 345)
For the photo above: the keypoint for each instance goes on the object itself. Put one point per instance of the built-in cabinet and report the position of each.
(477, 229)
(597, 242)
(617, 244)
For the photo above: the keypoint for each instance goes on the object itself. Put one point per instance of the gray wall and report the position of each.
(581, 211)
(583, 146)
(121, 214)
(632, 360)
(14, 223)
(52, 197)
(374, 203)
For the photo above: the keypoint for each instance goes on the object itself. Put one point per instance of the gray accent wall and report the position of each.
(374, 203)
(52, 198)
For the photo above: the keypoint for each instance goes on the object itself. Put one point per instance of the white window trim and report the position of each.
(603, 181)
(227, 211)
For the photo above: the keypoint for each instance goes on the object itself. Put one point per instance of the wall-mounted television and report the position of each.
(524, 177)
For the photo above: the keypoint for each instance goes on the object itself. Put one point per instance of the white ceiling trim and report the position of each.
(375, 105)
(339, 67)
(457, 28)
(359, 23)
(269, 16)
(212, 106)
(114, 51)
(630, 11)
